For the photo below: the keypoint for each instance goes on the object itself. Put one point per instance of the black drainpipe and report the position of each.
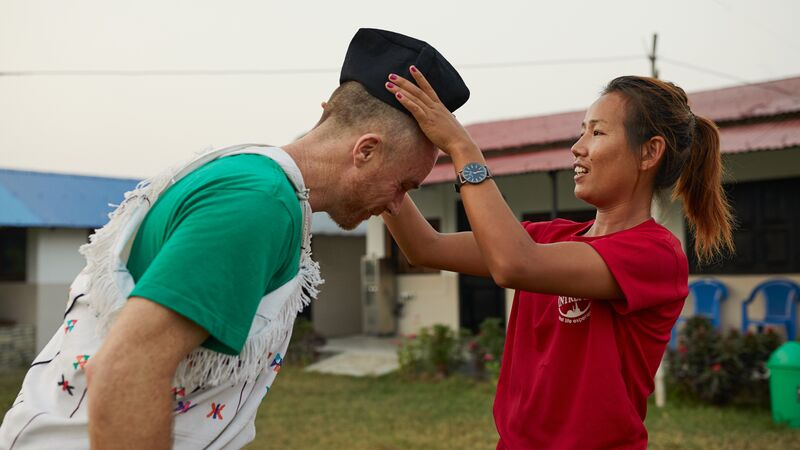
(554, 189)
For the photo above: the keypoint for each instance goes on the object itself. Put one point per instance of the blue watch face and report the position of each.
(474, 173)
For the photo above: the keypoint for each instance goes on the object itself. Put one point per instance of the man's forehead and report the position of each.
(416, 173)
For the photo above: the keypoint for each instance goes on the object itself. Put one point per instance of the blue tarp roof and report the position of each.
(37, 199)
(51, 200)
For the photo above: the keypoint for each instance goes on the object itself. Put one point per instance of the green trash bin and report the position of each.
(784, 383)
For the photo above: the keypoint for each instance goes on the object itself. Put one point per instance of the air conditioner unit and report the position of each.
(378, 298)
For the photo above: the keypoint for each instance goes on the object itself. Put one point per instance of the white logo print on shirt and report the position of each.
(573, 310)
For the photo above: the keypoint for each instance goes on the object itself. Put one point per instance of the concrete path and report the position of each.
(358, 356)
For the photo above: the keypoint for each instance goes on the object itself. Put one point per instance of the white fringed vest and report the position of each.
(216, 395)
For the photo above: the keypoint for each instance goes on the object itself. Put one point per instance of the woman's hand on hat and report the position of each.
(435, 120)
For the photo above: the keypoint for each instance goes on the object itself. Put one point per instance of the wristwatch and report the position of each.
(472, 173)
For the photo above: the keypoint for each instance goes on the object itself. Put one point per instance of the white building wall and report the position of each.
(18, 302)
(670, 215)
(533, 192)
(53, 256)
(762, 165)
(526, 193)
(438, 202)
(53, 262)
(376, 238)
(338, 310)
(428, 299)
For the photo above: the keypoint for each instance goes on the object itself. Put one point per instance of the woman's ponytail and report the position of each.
(700, 187)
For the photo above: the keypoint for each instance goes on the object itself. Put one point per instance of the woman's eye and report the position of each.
(597, 133)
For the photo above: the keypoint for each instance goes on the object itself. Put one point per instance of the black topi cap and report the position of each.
(374, 54)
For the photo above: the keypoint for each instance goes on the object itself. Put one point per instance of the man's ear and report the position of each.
(652, 152)
(366, 148)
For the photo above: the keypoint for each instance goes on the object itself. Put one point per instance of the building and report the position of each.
(45, 217)
(371, 289)
(532, 164)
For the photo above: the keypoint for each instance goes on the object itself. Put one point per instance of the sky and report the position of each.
(120, 88)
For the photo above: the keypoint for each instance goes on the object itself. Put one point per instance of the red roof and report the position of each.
(746, 102)
(761, 136)
(516, 133)
(761, 100)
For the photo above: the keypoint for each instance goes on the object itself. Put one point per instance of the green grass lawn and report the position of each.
(312, 411)
(10, 383)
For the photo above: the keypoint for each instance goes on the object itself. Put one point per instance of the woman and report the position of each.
(595, 302)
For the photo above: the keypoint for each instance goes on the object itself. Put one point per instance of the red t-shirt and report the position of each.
(576, 373)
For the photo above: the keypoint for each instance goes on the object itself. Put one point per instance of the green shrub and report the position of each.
(493, 370)
(720, 369)
(411, 356)
(486, 349)
(446, 350)
(434, 351)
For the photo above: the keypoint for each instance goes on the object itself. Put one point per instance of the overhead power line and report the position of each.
(300, 71)
(727, 76)
(321, 70)
(553, 62)
(158, 73)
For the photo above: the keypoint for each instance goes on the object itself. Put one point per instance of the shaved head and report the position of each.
(351, 109)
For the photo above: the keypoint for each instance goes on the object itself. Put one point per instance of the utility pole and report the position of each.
(660, 384)
(652, 57)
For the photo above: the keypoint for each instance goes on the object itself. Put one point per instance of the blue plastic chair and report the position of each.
(708, 296)
(781, 297)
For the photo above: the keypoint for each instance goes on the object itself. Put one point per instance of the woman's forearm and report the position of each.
(411, 231)
(504, 244)
(424, 246)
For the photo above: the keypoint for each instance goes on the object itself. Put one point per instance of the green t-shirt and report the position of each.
(216, 242)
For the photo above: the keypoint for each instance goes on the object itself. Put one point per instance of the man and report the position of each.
(178, 324)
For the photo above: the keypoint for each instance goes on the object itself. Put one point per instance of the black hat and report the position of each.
(374, 54)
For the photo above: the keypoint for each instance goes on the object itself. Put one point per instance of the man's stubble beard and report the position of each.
(348, 214)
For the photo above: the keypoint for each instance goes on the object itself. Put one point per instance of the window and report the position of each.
(398, 259)
(767, 236)
(13, 249)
